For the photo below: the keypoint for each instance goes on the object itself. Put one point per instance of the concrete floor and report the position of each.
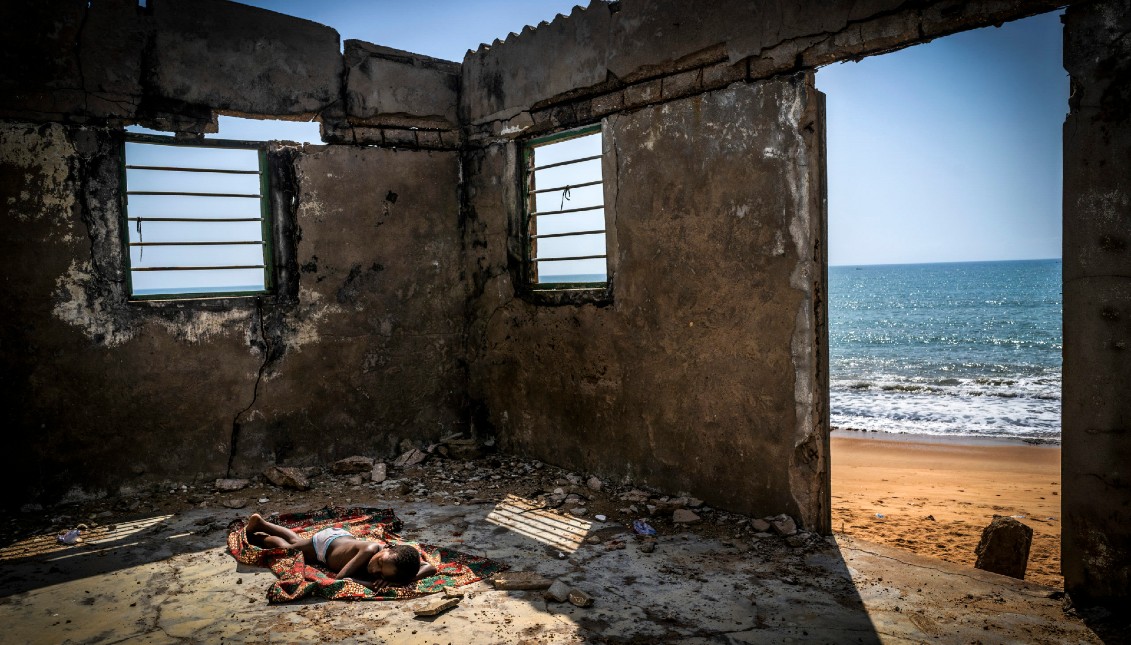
(166, 578)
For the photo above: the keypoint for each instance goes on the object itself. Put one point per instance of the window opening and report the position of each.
(565, 211)
(196, 217)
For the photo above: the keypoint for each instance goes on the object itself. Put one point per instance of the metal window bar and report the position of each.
(264, 186)
(568, 210)
(170, 193)
(576, 257)
(567, 187)
(179, 169)
(194, 219)
(544, 236)
(203, 268)
(566, 163)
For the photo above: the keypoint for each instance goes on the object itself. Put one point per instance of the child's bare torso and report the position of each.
(344, 549)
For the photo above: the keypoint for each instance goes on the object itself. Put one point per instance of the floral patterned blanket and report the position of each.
(299, 579)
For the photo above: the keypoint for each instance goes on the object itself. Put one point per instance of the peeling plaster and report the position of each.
(42, 156)
(198, 326)
(75, 306)
(308, 316)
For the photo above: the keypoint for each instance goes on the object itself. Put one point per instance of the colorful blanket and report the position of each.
(298, 578)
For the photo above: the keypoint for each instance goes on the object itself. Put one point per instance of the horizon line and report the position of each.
(883, 264)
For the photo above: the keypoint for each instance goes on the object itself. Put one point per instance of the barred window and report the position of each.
(565, 211)
(196, 218)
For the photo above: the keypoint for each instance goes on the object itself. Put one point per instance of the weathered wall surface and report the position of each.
(1097, 305)
(649, 51)
(360, 350)
(702, 375)
(373, 350)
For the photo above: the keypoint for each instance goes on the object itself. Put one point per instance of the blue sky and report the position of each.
(948, 151)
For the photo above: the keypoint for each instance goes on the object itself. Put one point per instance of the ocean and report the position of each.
(971, 348)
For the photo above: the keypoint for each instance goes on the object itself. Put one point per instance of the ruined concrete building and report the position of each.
(399, 295)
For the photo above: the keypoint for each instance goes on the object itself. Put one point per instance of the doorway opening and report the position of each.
(944, 176)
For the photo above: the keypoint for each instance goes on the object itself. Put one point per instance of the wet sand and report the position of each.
(936, 495)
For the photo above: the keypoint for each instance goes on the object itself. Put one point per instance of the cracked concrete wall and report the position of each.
(361, 348)
(373, 352)
(704, 372)
(1096, 551)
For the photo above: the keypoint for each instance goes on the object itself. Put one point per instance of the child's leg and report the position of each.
(275, 535)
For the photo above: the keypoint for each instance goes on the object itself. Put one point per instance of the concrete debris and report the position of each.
(435, 606)
(352, 465)
(783, 524)
(684, 516)
(594, 483)
(798, 540)
(578, 511)
(228, 485)
(234, 502)
(452, 592)
(379, 473)
(355, 480)
(521, 580)
(647, 546)
(410, 458)
(580, 598)
(287, 477)
(558, 592)
(759, 526)
(1004, 547)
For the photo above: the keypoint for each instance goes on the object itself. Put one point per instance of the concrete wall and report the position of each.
(362, 345)
(1096, 545)
(361, 348)
(704, 372)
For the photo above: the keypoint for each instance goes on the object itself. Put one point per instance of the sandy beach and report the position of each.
(933, 496)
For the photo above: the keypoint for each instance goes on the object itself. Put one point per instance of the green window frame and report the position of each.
(566, 243)
(205, 208)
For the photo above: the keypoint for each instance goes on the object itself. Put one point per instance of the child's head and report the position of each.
(396, 564)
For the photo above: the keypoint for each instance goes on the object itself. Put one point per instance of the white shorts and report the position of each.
(322, 540)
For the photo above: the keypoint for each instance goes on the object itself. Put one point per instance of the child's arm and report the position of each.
(426, 569)
(358, 561)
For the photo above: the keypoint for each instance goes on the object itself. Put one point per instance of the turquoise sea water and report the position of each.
(970, 348)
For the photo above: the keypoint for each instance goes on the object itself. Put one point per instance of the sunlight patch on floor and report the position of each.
(534, 521)
(108, 535)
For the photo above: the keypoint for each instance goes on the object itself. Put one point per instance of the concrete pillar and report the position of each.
(1096, 552)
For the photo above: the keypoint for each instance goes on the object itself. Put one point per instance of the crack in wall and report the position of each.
(235, 435)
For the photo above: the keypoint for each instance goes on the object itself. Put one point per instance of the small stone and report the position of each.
(593, 539)
(436, 606)
(759, 526)
(286, 477)
(600, 518)
(1004, 547)
(684, 516)
(783, 525)
(558, 592)
(352, 465)
(594, 483)
(410, 458)
(580, 598)
(693, 502)
(573, 479)
(379, 473)
(234, 502)
(647, 546)
(798, 540)
(355, 480)
(452, 592)
(578, 511)
(228, 485)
